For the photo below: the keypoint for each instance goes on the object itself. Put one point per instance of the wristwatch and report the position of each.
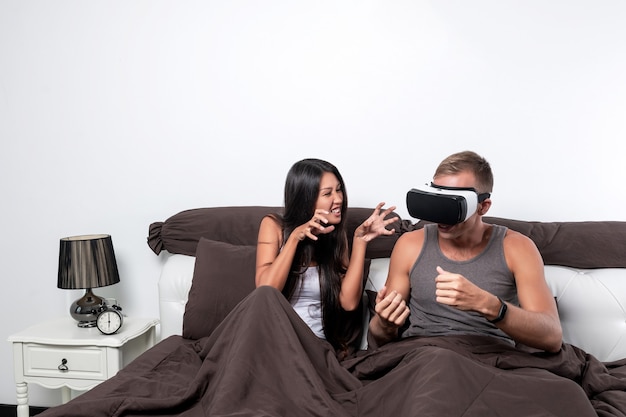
(501, 313)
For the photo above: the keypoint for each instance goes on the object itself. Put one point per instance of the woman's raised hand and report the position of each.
(376, 224)
(315, 226)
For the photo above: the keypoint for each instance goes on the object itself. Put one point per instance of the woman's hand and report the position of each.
(315, 226)
(375, 225)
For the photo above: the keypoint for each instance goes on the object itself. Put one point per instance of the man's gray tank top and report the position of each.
(488, 270)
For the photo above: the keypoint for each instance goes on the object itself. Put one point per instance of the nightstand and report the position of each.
(59, 354)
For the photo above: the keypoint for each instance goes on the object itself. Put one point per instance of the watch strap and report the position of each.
(501, 313)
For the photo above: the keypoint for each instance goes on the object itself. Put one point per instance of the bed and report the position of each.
(227, 349)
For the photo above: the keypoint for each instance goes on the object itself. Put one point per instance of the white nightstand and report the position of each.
(59, 354)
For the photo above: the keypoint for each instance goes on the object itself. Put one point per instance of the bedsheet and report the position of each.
(264, 361)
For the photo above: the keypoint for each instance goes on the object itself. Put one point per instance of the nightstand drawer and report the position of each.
(84, 362)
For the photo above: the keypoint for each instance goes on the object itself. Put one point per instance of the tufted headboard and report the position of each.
(585, 267)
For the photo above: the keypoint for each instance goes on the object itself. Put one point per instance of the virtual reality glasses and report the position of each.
(443, 205)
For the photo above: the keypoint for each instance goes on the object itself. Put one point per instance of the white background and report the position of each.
(116, 114)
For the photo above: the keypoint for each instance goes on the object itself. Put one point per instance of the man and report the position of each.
(467, 278)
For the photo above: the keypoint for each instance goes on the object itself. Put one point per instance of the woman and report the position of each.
(304, 252)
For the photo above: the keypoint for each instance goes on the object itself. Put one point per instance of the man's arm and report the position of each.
(536, 322)
(391, 301)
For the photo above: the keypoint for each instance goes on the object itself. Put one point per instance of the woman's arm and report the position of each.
(273, 262)
(370, 229)
(352, 283)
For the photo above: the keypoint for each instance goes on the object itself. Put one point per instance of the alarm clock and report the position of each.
(109, 319)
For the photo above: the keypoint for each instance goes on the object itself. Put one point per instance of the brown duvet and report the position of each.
(264, 361)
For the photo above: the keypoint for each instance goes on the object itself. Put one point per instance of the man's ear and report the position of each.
(483, 207)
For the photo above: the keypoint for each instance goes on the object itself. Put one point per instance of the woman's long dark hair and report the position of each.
(302, 188)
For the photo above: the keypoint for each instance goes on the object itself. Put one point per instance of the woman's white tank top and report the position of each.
(306, 300)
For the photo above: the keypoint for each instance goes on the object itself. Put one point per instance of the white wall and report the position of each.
(115, 114)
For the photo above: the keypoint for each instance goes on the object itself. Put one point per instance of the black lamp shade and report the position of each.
(87, 261)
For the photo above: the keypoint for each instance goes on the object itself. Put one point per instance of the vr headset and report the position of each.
(443, 205)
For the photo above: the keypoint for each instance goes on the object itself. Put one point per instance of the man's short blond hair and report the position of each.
(468, 161)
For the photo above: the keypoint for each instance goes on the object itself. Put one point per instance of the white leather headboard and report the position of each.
(592, 308)
(592, 302)
(174, 286)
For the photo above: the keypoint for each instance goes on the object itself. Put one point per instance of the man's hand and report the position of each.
(391, 309)
(457, 291)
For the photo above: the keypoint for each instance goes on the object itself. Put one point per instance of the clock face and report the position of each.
(109, 321)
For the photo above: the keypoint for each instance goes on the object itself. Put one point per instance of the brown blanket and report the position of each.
(264, 361)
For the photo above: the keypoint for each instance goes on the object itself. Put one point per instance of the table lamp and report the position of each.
(87, 262)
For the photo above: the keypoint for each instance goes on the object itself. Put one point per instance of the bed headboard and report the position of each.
(174, 286)
(585, 267)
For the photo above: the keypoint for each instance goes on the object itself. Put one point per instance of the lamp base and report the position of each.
(85, 309)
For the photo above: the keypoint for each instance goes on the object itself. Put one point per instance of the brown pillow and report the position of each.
(222, 277)
(239, 225)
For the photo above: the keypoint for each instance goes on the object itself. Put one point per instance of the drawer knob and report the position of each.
(63, 367)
